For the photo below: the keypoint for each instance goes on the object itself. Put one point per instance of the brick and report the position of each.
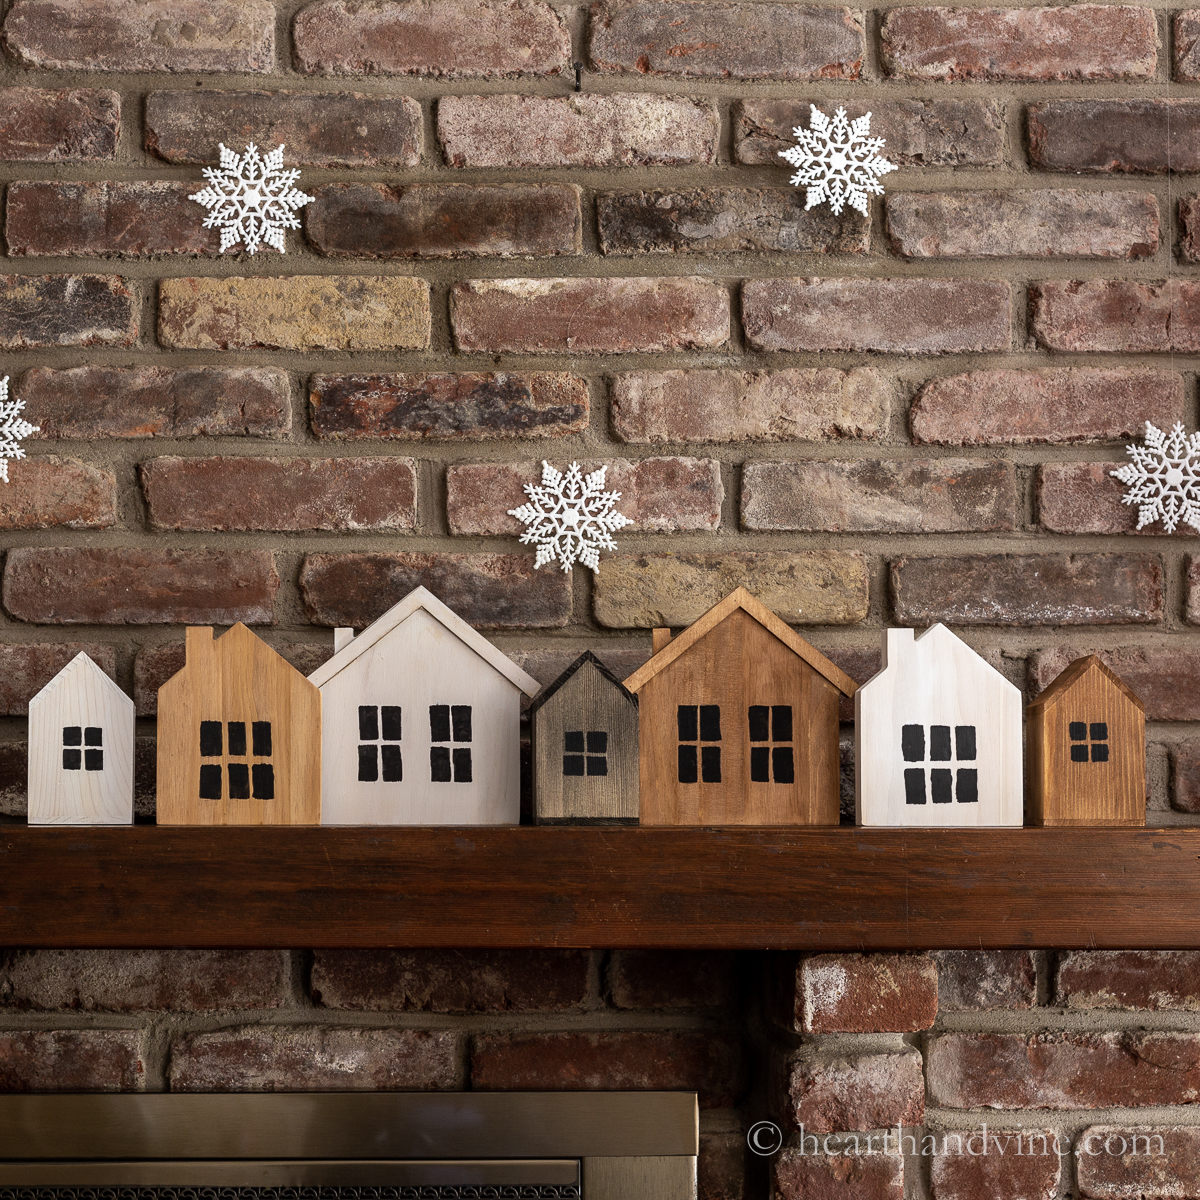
(589, 316)
(867, 1091)
(65, 310)
(1189, 222)
(1053, 223)
(1063, 1070)
(1082, 41)
(114, 586)
(493, 591)
(727, 41)
(917, 133)
(1187, 49)
(933, 495)
(154, 665)
(299, 312)
(1192, 612)
(71, 1060)
(14, 773)
(459, 39)
(580, 130)
(1166, 680)
(312, 1058)
(1129, 979)
(93, 219)
(26, 668)
(1185, 776)
(872, 993)
(805, 1174)
(1145, 135)
(659, 495)
(145, 778)
(445, 981)
(750, 406)
(1006, 407)
(984, 980)
(143, 980)
(1163, 1161)
(364, 220)
(708, 220)
(674, 979)
(707, 1063)
(49, 491)
(827, 587)
(1085, 498)
(319, 129)
(145, 402)
(1029, 589)
(142, 35)
(242, 493)
(420, 405)
(1116, 315)
(721, 1167)
(59, 125)
(897, 316)
(1004, 1170)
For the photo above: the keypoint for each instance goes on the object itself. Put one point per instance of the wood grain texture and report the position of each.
(833, 889)
(238, 678)
(936, 682)
(585, 700)
(1079, 774)
(98, 790)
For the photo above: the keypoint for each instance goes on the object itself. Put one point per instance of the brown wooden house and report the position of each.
(1085, 738)
(738, 723)
(239, 736)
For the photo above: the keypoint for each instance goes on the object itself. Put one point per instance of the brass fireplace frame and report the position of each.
(603, 1145)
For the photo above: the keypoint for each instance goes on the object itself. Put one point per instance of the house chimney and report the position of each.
(659, 638)
(342, 637)
(198, 641)
(901, 645)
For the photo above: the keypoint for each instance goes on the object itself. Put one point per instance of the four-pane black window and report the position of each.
(83, 748)
(450, 723)
(771, 724)
(941, 784)
(1089, 741)
(379, 729)
(699, 723)
(245, 779)
(585, 752)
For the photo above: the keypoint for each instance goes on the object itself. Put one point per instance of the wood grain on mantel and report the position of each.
(827, 888)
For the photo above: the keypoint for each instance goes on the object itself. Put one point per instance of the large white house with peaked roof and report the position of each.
(421, 722)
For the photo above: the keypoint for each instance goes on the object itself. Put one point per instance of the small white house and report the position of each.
(937, 737)
(81, 749)
(421, 722)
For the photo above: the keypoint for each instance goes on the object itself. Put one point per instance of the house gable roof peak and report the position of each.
(88, 665)
(1055, 690)
(585, 658)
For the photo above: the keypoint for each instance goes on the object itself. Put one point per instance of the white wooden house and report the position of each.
(81, 749)
(421, 722)
(937, 737)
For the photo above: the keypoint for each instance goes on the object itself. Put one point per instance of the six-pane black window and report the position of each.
(1089, 741)
(379, 730)
(699, 723)
(585, 752)
(246, 779)
(939, 744)
(450, 723)
(83, 748)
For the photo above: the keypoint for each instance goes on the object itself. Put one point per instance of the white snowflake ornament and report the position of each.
(570, 517)
(13, 427)
(837, 161)
(1164, 478)
(252, 198)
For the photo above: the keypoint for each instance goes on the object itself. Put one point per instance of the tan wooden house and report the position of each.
(1085, 739)
(738, 723)
(239, 736)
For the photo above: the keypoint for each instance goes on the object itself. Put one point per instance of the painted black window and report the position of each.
(939, 744)
(699, 723)
(452, 763)
(1089, 741)
(379, 729)
(244, 779)
(585, 752)
(91, 756)
(771, 724)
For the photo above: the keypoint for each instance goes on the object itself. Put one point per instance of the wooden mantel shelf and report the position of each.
(829, 888)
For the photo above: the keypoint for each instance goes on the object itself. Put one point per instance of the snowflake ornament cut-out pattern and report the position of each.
(13, 427)
(1164, 478)
(251, 198)
(570, 517)
(837, 161)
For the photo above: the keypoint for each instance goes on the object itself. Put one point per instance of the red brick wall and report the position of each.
(902, 419)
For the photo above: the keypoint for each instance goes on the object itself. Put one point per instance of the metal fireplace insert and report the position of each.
(350, 1146)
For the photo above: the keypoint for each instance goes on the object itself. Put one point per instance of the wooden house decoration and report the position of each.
(81, 749)
(585, 748)
(239, 736)
(1085, 741)
(937, 737)
(738, 723)
(422, 722)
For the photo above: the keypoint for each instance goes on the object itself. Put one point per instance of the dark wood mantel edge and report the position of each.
(834, 888)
